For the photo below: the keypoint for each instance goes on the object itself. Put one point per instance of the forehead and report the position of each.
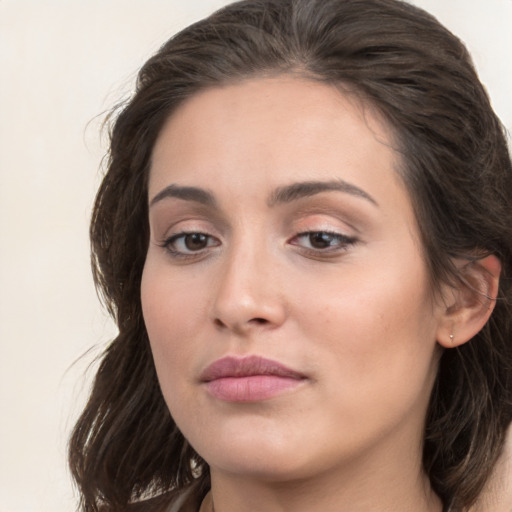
(273, 130)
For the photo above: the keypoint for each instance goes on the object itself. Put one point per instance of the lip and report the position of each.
(249, 379)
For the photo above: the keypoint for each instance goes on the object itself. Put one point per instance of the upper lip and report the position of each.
(248, 366)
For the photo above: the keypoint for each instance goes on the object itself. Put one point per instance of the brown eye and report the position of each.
(195, 241)
(189, 244)
(322, 240)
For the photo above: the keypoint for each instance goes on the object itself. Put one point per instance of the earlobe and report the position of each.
(471, 301)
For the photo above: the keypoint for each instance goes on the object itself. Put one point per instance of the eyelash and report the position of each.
(342, 242)
(169, 244)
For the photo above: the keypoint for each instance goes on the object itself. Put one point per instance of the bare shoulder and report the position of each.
(497, 496)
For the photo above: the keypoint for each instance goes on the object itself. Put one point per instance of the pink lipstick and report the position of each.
(248, 379)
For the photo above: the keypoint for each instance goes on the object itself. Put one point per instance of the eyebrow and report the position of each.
(285, 194)
(199, 195)
(303, 189)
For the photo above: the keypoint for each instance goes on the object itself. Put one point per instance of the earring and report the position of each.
(451, 338)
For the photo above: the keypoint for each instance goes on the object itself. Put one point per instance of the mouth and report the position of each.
(249, 379)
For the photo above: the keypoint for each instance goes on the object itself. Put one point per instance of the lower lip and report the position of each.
(251, 389)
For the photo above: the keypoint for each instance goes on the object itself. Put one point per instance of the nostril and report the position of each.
(254, 321)
(259, 320)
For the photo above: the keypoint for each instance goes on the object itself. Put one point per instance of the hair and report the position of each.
(456, 167)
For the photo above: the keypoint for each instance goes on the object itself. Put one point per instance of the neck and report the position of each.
(390, 487)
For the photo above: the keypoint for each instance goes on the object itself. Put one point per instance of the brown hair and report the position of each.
(456, 166)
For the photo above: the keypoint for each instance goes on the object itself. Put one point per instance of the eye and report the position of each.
(323, 241)
(188, 244)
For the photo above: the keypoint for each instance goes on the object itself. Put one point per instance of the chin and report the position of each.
(248, 453)
(263, 467)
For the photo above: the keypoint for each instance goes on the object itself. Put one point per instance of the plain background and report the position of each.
(62, 64)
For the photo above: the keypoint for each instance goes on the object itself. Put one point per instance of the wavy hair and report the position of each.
(455, 163)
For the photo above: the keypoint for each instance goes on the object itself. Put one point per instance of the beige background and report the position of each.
(63, 63)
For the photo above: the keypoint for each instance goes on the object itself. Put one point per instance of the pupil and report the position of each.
(195, 241)
(321, 240)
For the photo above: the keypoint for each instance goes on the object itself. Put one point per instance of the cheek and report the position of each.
(379, 329)
(172, 312)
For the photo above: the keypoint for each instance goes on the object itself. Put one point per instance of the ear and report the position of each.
(469, 304)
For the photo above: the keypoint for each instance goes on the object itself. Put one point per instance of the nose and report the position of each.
(249, 295)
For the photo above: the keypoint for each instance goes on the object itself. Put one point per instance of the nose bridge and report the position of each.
(248, 292)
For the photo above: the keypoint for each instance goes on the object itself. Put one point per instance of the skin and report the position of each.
(497, 495)
(356, 319)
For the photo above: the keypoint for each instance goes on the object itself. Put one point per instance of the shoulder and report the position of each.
(497, 495)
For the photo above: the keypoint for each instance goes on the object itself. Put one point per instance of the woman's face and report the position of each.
(284, 292)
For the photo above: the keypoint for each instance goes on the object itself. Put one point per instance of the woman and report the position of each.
(304, 238)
